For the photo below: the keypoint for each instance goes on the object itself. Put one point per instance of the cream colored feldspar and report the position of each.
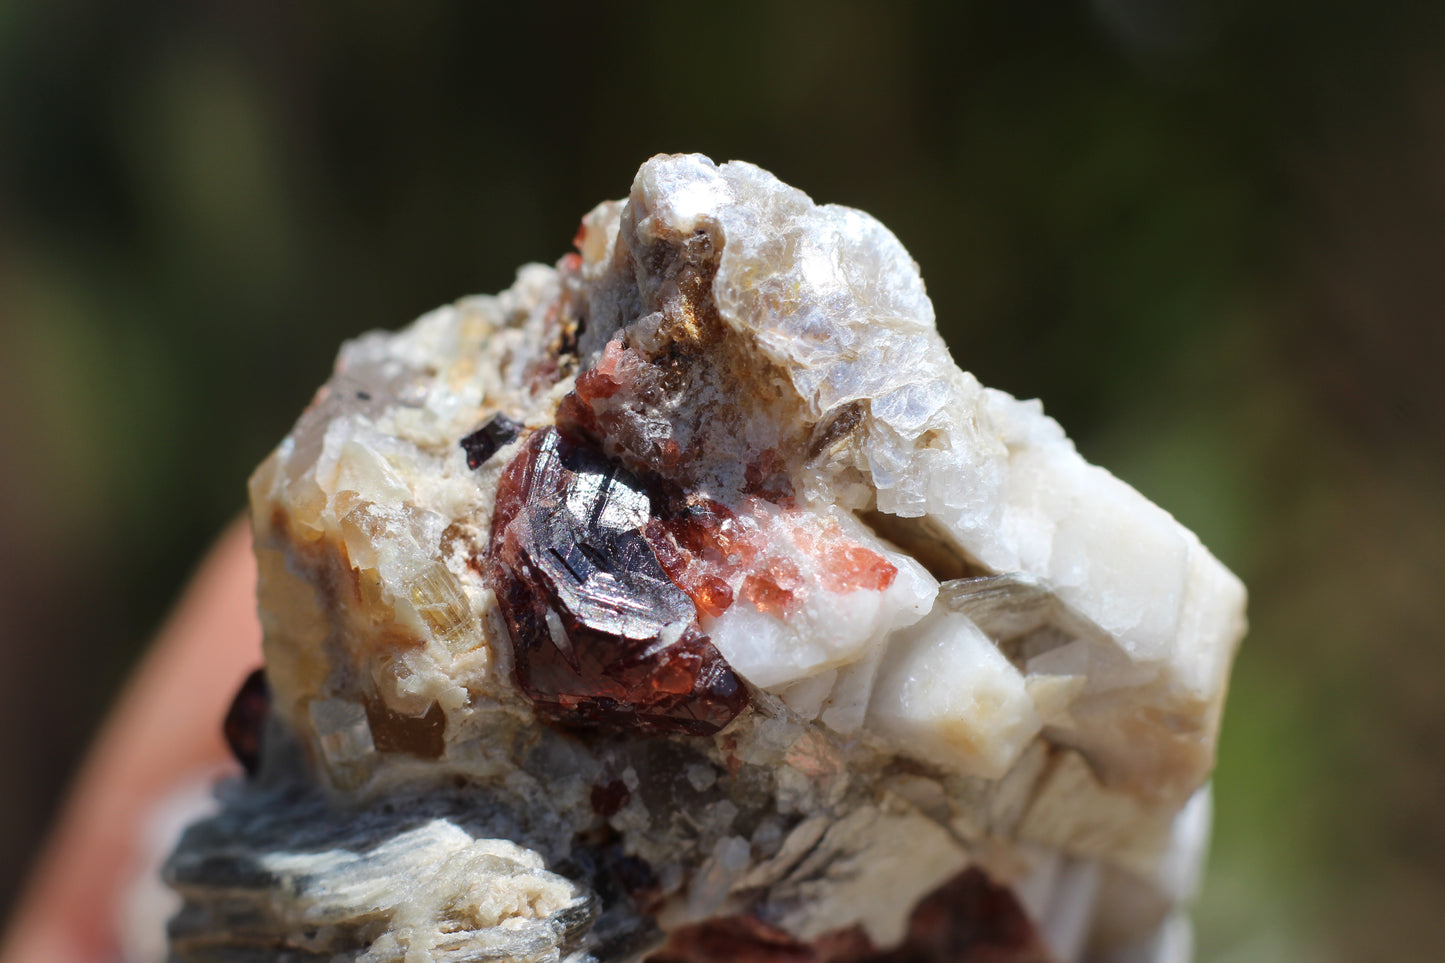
(1051, 655)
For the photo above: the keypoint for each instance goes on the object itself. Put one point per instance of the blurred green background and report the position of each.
(1211, 236)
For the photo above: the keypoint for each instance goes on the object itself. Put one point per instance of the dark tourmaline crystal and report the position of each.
(602, 635)
(968, 919)
(483, 443)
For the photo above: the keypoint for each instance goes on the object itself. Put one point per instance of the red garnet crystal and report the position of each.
(488, 439)
(968, 919)
(602, 635)
(245, 722)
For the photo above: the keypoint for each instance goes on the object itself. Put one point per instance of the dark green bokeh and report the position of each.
(1208, 235)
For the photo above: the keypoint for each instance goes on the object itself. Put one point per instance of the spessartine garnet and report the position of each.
(245, 723)
(602, 636)
(968, 919)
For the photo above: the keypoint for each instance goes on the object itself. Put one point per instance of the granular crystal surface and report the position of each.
(686, 601)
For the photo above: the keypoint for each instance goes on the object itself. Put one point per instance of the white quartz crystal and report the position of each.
(962, 645)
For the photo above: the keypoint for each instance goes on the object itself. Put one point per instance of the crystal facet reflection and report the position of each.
(602, 635)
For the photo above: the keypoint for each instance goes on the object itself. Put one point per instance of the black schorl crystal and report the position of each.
(602, 635)
(486, 440)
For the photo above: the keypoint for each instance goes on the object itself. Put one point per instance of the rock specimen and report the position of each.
(686, 602)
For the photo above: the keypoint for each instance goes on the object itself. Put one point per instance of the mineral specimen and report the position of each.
(600, 633)
(686, 602)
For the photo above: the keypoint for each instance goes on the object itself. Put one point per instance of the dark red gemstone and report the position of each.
(609, 798)
(602, 635)
(245, 723)
(968, 919)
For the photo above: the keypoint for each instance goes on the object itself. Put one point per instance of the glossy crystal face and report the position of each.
(601, 634)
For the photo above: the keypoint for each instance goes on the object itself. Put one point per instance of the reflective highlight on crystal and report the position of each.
(601, 634)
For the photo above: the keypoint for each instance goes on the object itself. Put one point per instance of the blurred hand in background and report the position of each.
(164, 732)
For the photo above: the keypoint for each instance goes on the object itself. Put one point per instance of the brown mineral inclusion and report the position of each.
(602, 636)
